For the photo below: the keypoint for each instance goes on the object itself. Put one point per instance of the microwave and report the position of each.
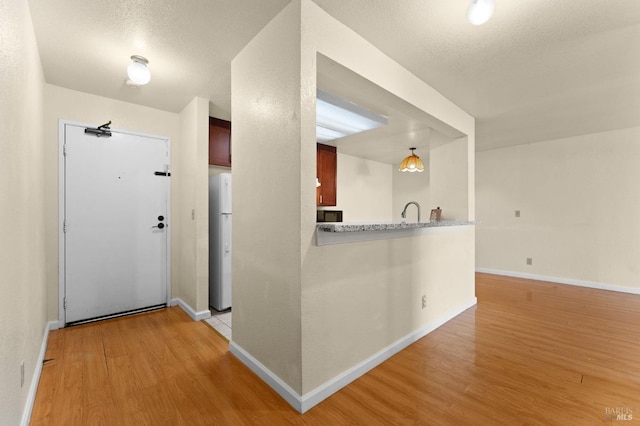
(329, 216)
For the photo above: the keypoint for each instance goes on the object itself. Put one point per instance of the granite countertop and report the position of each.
(356, 227)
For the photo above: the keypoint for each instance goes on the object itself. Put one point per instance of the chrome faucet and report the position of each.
(404, 212)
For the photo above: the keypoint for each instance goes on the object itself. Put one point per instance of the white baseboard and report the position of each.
(54, 325)
(568, 281)
(196, 316)
(283, 389)
(310, 399)
(33, 387)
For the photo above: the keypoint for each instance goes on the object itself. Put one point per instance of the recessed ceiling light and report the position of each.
(337, 117)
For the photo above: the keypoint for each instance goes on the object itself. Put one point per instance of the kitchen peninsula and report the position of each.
(310, 319)
(336, 233)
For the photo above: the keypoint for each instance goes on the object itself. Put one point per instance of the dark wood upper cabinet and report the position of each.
(219, 142)
(326, 169)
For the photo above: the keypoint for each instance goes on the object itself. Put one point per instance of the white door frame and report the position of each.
(61, 211)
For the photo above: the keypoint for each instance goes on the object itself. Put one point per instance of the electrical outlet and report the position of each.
(517, 213)
(22, 374)
(424, 301)
(529, 261)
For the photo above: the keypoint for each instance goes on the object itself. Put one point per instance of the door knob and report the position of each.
(159, 226)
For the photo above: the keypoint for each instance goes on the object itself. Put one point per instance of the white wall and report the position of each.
(216, 170)
(449, 179)
(266, 258)
(579, 204)
(22, 226)
(365, 190)
(193, 205)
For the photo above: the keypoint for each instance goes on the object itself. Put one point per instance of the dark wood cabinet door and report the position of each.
(219, 142)
(326, 169)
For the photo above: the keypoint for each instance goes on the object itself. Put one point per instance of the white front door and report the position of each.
(115, 224)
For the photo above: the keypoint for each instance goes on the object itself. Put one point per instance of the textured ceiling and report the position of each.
(537, 70)
(85, 45)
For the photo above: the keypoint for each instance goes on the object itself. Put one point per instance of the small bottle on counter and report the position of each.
(436, 214)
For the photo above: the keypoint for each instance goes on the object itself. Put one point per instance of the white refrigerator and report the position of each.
(220, 241)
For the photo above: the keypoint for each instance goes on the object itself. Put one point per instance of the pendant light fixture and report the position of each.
(138, 72)
(480, 11)
(412, 163)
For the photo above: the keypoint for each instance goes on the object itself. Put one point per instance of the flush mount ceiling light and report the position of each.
(337, 118)
(480, 11)
(412, 163)
(137, 71)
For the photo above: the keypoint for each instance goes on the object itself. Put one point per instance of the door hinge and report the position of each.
(64, 303)
(64, 150)
(64, 227)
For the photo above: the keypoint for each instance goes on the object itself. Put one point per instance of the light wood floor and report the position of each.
(530, 353)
